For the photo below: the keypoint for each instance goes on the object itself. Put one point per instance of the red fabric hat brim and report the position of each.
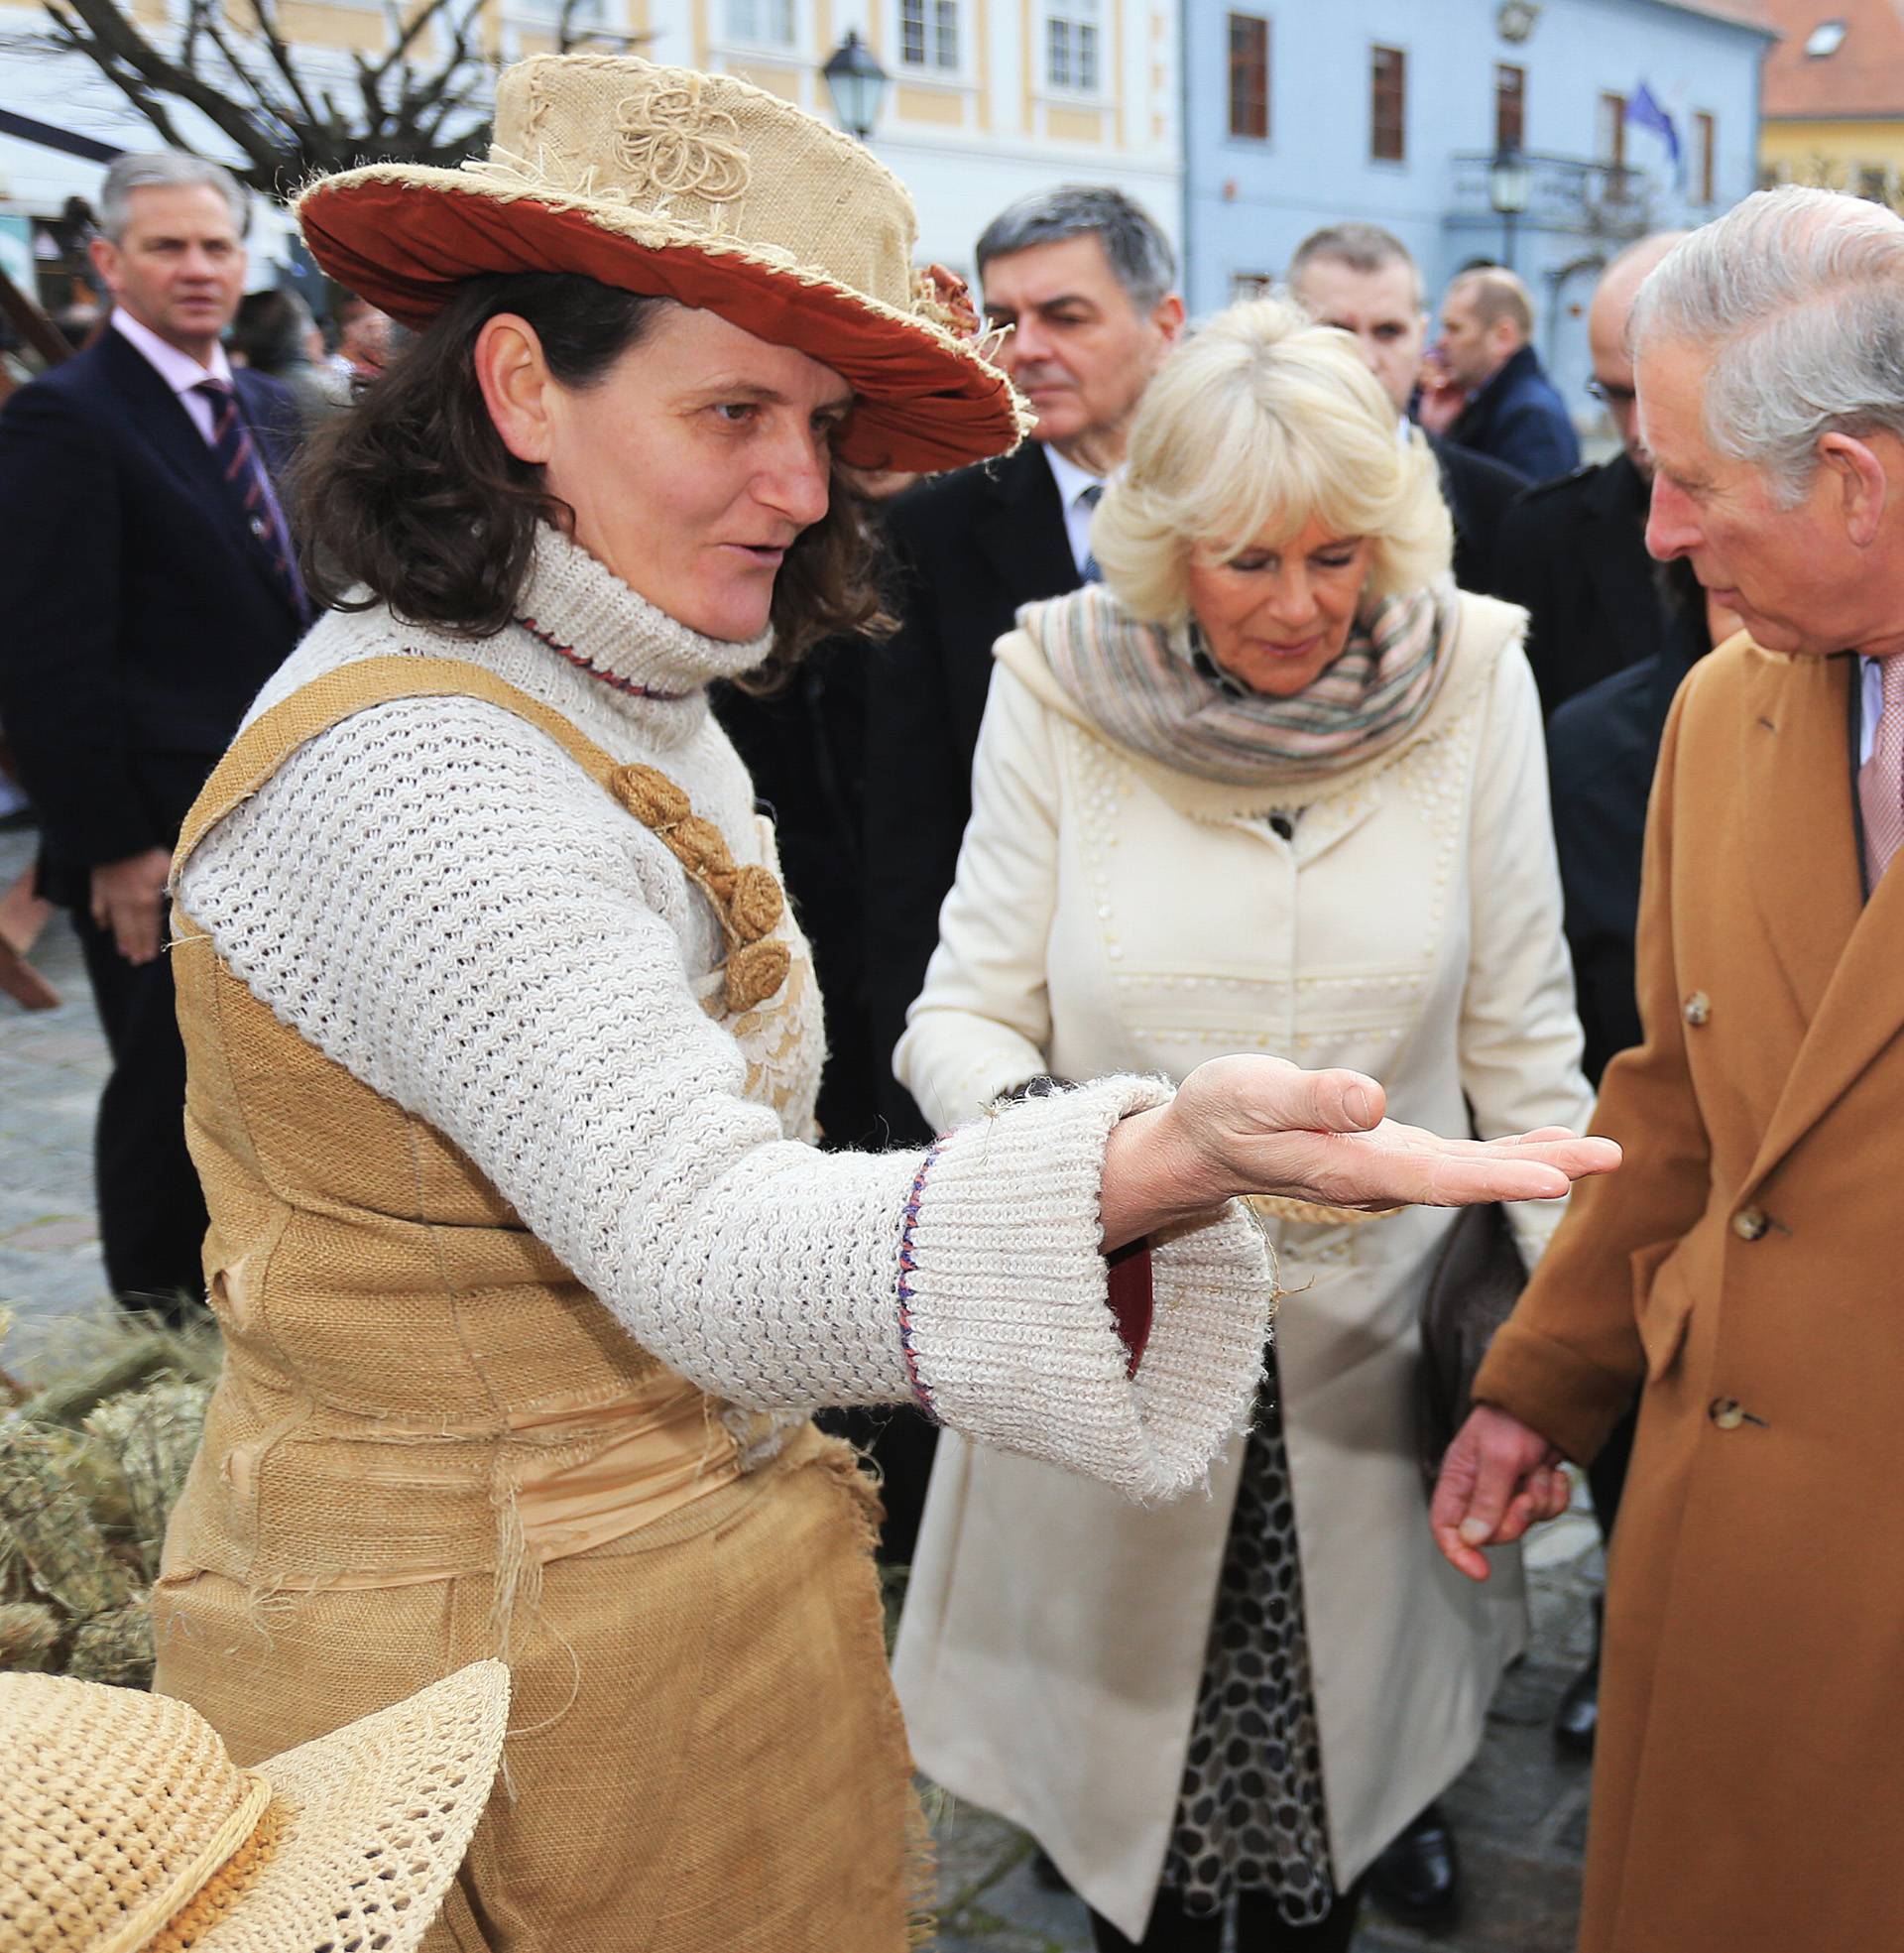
(405, 245)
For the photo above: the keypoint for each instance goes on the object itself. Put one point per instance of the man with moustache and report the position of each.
(1363, 281)
(149, 587)
(1083, 279)
(1742, 1271)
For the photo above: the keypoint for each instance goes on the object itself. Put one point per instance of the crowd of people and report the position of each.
(468, 772)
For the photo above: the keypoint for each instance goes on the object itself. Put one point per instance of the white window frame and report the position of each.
(732, 36)
(1097, 16)
(929, 70)
(545, 16)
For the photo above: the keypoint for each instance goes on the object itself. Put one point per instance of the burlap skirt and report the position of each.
(704, 1750)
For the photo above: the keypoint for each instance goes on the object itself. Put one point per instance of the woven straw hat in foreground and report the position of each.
(697, 188)
(123, 1825)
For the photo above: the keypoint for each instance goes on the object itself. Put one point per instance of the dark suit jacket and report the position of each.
(970, 549)
(1573, 554)
(1478, 493)
(1601, 748)
(141, 615)
(804, 746)
(1519, 420)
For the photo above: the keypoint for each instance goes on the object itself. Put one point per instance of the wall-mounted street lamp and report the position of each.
(857, 82)
(1511, 187)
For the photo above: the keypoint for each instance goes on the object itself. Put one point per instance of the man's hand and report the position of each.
(129, 899)
(1261, 1125)
(1498, 1478)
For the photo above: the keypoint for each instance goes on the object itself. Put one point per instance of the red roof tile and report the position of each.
(1865, 76)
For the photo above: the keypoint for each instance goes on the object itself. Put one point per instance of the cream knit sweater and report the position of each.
(437, 897)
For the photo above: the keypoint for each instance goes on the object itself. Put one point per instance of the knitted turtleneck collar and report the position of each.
(576, 604)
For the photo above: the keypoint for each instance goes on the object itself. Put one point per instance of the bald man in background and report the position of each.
(1573, 551)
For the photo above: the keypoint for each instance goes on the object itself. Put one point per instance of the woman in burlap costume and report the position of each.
(503, 1052)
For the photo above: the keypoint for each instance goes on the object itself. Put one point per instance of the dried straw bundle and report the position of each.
(152, 1435)
(90, 1466)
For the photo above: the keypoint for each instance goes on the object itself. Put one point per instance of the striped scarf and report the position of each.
(1156, 693)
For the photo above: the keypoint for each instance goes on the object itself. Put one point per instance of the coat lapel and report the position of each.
(1022, 534)
(1840, 953)
(1620, 573)
(166, 428)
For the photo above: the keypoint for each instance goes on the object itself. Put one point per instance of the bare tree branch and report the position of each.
(266, 15)
(424, 96)
(119, 50)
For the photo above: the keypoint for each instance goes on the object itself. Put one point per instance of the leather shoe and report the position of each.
(1418, 1878)
(1576, 1720)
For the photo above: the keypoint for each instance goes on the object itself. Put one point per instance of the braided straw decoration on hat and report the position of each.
(125, 1827)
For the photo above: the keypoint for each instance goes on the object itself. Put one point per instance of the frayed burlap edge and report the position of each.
(921, 1867)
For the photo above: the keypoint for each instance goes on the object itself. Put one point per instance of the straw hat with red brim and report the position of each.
(697, 188)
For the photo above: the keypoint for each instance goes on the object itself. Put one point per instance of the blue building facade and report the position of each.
(1629, 116)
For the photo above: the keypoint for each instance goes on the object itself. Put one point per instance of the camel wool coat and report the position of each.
(1111, 912)
(1744, 1269)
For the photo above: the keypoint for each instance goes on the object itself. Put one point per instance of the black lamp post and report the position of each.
(1510, 184)
(857, 82)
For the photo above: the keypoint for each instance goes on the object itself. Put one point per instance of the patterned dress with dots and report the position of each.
(1251, 1815)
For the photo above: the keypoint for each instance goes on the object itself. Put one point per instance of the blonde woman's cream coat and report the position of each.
(1109, 914)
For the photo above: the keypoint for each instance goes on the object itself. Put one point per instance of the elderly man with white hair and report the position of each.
(1745, 1269)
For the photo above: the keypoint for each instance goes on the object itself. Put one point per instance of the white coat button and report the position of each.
(1751, 1223)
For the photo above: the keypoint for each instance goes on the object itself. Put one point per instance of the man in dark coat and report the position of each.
(1084, 277)
(1601, 748)
(805, 746)
(1512, 413)
(1363, 279)
(150, 588)
(1574, 550)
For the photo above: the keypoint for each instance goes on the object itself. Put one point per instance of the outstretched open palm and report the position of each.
(1320, 1136)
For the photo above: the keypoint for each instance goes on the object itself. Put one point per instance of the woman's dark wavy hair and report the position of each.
(414, 496)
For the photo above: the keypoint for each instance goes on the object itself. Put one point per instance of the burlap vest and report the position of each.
(415, 1387)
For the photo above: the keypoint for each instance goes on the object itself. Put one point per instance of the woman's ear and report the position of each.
(516, 381)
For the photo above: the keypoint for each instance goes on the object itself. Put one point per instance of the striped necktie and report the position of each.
(244, 475)
(1088, 499)
(1880, 780)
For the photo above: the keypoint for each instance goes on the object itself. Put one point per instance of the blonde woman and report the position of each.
(1277, 786)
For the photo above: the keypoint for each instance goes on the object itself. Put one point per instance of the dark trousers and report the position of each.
(152, 1210)
(1260, 1928)
(1606, 1475)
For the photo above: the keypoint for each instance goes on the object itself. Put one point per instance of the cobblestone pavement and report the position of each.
(52, 1066)
(1521, 1812)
